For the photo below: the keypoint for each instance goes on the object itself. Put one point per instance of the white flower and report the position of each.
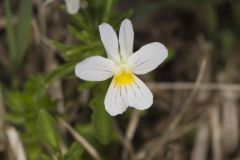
(72, 6)
(122, 64)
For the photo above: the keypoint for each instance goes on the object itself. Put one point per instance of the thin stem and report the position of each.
(89, 148)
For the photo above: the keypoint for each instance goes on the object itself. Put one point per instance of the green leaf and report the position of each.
(82, 22)
(171, 54)
(75, 152)
(101, 120)
(33, 149)
(47, 129)
(10, 34)
(14, 118)
(108, 8)
(24, 27)
(62, 47)
(15, 101)
(86, 85)
(235, 5)
(18, 40)
(211, 17)
(87, 131)
(77, 53)
(59, 73)
(227, 40)
(83, 35)
(45, 157)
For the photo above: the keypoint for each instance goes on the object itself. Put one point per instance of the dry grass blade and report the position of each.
(126, 144)
(202, 141)
(214, 115)
(155, 87)
(230, 122)
(47, 2)
(2, 112)
(132, 126)
(187, 103)
(89, 148)
(173, 124)
(15, 144)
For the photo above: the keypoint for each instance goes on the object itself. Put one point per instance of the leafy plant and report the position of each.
(24, 108)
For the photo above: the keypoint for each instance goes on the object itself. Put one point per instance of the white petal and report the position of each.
(72, 6)
(114, 101)
(95, 68)
(138, 95)
(148, 58)
(110, 41)
(126, 36)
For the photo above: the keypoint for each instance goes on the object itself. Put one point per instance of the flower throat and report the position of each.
(123, 78)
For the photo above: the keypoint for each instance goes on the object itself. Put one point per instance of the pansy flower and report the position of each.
(72, 6)
(126, 89)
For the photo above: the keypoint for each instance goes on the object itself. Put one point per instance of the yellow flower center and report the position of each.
(123, 78)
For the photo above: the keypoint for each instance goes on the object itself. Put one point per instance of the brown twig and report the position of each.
(131, 128)
(191, 96)
(89, 148)
(216, 135)
(158, 142)
(15, 143)
(200, 150)
(230, 122)
(155, 87)
(126, 144)
(173, 124)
